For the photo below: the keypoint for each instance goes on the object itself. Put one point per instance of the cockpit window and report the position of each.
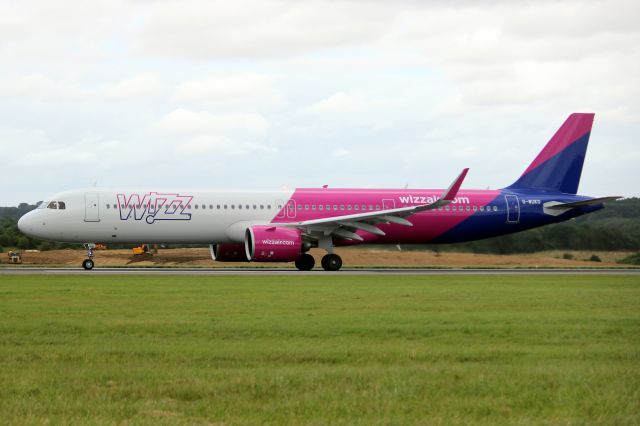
(62, 205)
(52, 205)
(42, 204)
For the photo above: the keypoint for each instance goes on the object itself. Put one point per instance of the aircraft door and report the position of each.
(388, 204)
(291, 208)
(91, 207)
(513, 208)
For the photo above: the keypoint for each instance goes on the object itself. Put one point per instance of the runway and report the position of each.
(315, 272)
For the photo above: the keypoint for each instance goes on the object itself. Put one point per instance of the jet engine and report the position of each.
(272, 244)
(228, 252)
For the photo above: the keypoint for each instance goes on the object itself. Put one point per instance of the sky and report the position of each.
(283, 94)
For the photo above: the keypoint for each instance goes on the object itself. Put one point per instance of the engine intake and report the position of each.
(228, 252)
(272, 244)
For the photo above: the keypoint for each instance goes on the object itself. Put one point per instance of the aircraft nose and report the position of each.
(25, 223)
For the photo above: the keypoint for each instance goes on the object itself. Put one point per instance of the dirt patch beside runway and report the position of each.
(352, 257)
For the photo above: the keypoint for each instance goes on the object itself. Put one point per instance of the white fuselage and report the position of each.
(134, 216)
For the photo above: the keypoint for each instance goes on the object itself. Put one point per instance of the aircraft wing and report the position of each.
(345, 226)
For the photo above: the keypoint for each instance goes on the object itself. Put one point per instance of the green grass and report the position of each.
(320, 350)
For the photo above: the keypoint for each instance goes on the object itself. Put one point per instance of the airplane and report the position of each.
(282, 226)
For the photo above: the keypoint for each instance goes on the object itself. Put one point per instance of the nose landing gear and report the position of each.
(88, 263)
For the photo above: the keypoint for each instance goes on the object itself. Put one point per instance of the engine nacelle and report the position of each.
(228, 252)
(272, 244)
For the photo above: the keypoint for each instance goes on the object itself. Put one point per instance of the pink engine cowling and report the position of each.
(272, 244)
(228, 252)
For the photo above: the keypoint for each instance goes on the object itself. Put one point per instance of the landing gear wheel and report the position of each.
(331, 262)
(305, 262)
(87, 264)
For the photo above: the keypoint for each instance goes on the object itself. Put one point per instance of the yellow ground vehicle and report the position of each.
(141, 249)
(15, 257)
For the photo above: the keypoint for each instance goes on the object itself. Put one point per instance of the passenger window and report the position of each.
(204, 206)
(335, 207)
(454, 208)
(247, 206)
(254, 206)
(320, 206)
(313, 206)
(495, 208)
(306, 206)
(261, 206)
(468, 208)
(341, 206)
(475, 208)
(356, 207)
(268, 206)
(481, 208)
(348, 206)
(233, 206)
(239, 206)
(447, 208)
(370, 207)
(377, 207)
(196, 206)
(328, 207)
(108, 206)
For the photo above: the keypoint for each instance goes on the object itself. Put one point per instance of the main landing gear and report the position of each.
(305, 262)
(88, 263)
(330, 262)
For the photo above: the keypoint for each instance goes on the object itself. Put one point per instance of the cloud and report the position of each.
(221, 146)
(255, 28)
(425, 86)
(38, 86)
(343, 103)
(55, 158)
(231, 89)
(44, 88)
(186, 121)
(138, 86)
(341, 152)
(514, 53)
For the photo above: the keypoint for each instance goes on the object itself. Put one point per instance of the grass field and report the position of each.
(321, 350)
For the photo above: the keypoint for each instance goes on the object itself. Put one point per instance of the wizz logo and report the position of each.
(154, 206)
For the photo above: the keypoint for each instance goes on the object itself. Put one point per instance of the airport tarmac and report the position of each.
(315, 272)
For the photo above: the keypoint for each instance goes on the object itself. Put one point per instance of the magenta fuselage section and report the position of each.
(312, 203)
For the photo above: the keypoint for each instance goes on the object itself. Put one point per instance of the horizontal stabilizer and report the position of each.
(591, 202)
